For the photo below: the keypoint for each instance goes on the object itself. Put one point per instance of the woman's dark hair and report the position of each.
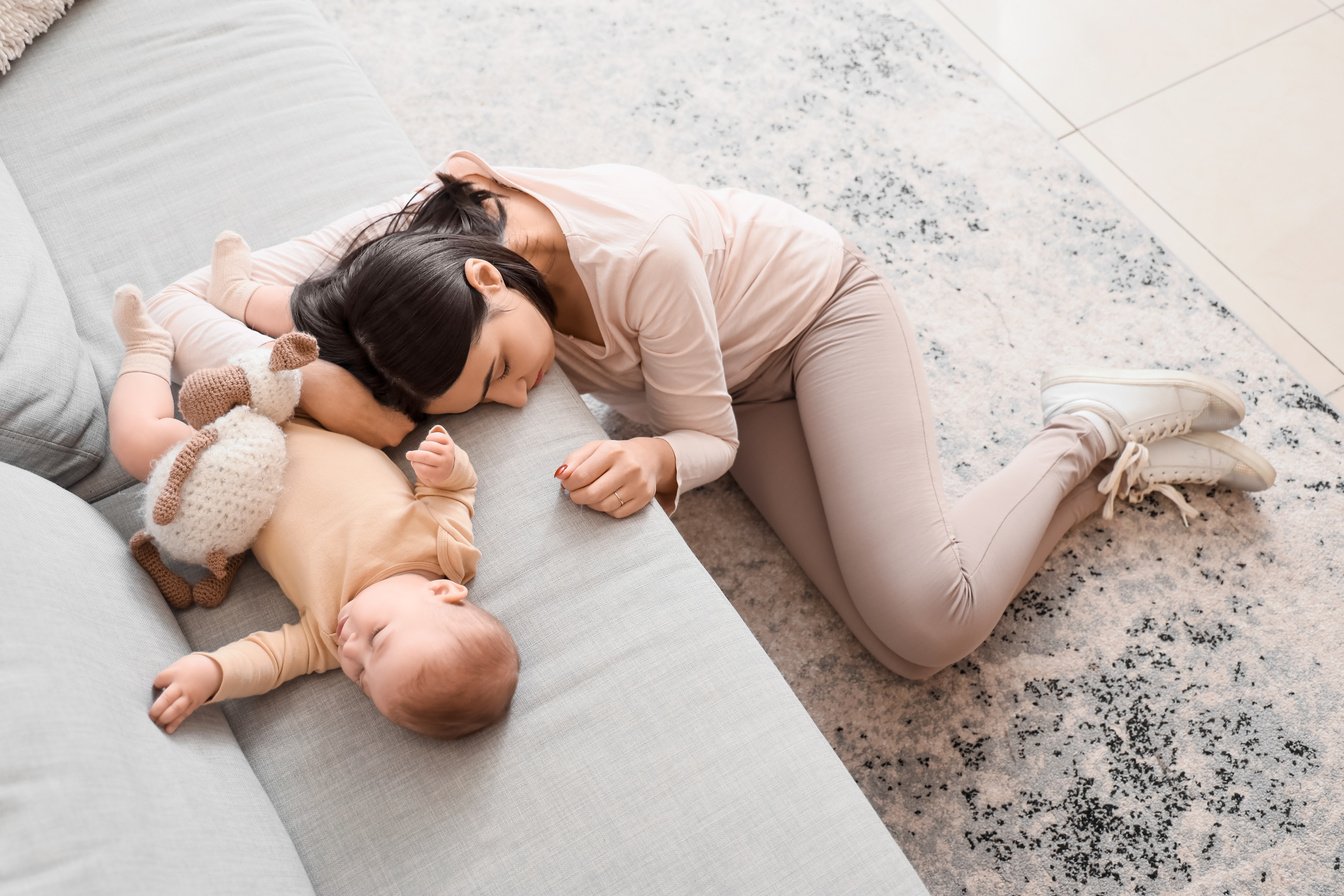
(399, 313)
(457, 206)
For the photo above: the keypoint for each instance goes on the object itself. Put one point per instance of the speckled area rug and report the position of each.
(1160, 711)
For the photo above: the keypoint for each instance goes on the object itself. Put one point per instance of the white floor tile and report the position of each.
(1000, 72)
(1090, 59)
(1276, 332)
(1247, 158)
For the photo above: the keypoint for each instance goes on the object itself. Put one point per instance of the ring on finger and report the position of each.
(617, 495)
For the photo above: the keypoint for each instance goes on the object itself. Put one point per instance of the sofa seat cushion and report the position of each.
(652, 747)
(51, 411)
(96, 798)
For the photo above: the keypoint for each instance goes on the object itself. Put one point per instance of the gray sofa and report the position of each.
(652, 746)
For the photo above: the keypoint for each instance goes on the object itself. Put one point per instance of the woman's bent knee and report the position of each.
(930, 629)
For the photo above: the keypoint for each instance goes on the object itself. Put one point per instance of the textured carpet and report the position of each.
(1159, 712)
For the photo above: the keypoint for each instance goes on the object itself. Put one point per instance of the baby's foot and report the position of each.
(231, 283)
(138, 331)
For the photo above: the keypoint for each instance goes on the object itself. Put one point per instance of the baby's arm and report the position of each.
(446, 485)
(187, 685)
(258, 663)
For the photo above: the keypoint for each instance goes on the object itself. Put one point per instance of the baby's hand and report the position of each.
(434, 460)
(231, 283)
(186, 684)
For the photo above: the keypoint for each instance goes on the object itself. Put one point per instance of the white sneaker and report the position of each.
(1142, 406)
(1204, 458)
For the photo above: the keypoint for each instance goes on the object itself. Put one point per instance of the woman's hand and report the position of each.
(619, 477)
(333, 397)
(186, 684)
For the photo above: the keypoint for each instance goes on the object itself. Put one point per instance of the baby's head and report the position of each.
(427, 658)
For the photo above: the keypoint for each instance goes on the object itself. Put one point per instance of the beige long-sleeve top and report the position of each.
(347, 518)
(692, 289)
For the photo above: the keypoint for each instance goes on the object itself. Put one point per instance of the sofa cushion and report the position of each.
(51, 412)
(652, 747)
(96, 798)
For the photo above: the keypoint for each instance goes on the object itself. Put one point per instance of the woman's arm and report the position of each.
(334, 398)
(671, 309)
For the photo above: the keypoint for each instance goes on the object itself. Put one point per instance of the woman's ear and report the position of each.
(483, 276)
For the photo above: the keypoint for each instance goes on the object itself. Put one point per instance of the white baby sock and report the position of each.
(149, 347)
(231, 283)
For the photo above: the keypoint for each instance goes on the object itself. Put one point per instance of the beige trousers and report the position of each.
(838, 452)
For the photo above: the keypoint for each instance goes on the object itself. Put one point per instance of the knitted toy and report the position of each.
(208, 497)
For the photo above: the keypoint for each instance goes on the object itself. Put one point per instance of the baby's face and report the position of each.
(388, 630)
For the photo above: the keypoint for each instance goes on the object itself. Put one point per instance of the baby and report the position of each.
(374, 567)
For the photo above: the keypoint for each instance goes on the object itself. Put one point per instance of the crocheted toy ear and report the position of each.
(208, 395)
(292, 351)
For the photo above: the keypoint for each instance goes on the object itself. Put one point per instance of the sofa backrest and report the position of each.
(134, 132)
(51, 410)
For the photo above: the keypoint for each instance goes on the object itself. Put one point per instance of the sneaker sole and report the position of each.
(1264, 473)
(1101, 375)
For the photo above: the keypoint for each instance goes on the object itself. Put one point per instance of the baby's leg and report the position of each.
(140, 414)
(262, 306)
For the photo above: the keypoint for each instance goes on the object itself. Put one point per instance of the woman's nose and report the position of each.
(515, 394)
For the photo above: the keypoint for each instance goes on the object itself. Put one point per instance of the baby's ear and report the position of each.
(449, 591)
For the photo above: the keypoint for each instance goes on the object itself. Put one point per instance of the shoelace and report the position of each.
(1129, 481)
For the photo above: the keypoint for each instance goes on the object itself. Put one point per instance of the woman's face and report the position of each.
(516, 348)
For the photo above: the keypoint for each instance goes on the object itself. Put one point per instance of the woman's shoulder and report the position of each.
(617, 205)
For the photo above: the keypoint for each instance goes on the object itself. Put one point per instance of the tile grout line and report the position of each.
(1210, 67)
(1161, 208)
(1336, 399)
(1006, 64)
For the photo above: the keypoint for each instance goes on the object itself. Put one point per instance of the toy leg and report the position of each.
(175, 589)
(211, 591)
(169, 501)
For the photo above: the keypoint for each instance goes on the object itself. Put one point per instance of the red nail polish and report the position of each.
(560, 470)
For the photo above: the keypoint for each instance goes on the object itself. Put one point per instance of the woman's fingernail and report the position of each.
(438, 427)
(560, 470)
